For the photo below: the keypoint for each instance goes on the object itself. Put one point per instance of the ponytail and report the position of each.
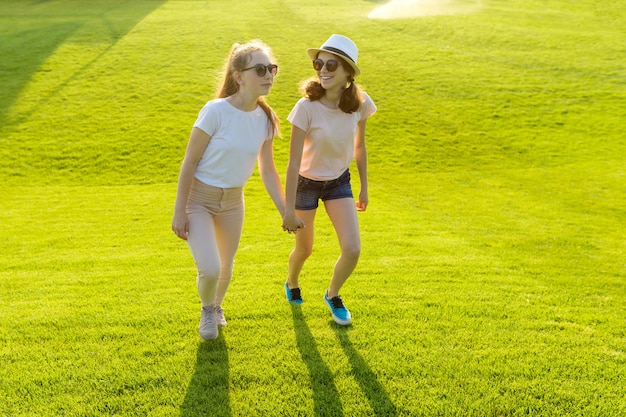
(351, 98)
(274, 123)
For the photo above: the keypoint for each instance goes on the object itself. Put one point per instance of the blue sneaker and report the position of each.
(340, 313)
(293, 294)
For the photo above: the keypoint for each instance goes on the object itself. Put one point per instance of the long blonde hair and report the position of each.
(238, 59)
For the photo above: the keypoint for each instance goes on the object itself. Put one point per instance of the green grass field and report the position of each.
(492, 278)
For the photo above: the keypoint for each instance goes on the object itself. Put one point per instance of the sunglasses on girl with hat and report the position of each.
(331, 65)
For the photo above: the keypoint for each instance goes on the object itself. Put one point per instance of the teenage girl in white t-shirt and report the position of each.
(231, 133)
(328, 132)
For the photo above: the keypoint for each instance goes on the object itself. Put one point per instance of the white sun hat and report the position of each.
(340, 46)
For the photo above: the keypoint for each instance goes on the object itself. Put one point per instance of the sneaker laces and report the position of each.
(207, 316)
(295, 293)
(337, 303)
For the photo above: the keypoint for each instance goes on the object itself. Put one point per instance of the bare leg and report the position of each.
(343, 215)
(303, 248)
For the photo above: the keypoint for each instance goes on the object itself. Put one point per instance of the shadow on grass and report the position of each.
(37, 29)
(376, 395)
(325, 395)
(207, 394)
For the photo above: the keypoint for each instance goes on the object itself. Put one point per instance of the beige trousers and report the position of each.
(215, 224)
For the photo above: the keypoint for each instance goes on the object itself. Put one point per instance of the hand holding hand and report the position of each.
(292, 223)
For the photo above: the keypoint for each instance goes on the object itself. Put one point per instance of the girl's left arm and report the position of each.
(269, 175)
(360, 155)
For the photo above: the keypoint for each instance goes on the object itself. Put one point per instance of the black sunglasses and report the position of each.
(261, 69)
(331, 65)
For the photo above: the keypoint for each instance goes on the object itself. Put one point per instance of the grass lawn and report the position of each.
(492, 278)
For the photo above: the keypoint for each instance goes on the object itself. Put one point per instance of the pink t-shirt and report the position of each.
(329, 141)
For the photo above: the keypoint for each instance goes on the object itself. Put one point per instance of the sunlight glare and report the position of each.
(397, 9)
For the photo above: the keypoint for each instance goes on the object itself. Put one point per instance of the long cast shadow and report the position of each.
(325, 395)
(207, 394)
(376, 395)
(27, 42)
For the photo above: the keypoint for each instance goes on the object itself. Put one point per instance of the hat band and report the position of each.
(338, 51)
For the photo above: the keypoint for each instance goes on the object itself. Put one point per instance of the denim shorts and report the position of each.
(310, 191)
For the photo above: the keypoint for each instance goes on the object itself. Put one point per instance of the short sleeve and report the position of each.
(207, 120)
(369, 108)
(300, 116)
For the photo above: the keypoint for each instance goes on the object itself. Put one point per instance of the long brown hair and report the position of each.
(238, 59)
(351, 98)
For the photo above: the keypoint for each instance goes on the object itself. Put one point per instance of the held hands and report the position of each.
(292, 223)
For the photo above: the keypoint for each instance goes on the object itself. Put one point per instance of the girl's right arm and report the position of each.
(290, 220)
(198, 141)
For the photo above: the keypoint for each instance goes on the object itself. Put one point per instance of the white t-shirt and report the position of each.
(236, 139)
(329, 141)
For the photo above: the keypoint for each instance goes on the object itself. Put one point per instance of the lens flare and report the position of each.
(397, 9)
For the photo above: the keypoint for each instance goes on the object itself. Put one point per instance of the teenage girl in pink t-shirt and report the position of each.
(328, 132)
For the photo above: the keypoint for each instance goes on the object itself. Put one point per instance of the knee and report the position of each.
(303, 251)
(352, 251)
(208, 272)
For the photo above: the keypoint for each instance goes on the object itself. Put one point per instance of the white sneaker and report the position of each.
(221, 320)
(208, 323)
